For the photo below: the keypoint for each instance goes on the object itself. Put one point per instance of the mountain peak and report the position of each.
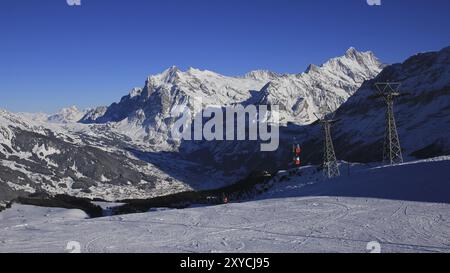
(260, 74)
(169, 75)
(352, 57)
(312, 67)
(351, 51)
(173, 68)
(135, 92)
(354, 53)
(67, 115)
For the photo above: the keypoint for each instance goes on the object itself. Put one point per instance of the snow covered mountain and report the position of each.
(145, 114)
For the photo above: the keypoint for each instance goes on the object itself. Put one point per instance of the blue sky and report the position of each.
(53, 55)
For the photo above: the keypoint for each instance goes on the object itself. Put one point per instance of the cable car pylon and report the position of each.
(330, 164)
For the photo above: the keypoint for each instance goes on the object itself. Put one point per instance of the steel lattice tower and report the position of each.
(330, 165)
(392, 151)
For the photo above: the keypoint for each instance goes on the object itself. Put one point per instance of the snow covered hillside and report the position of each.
(404, 208)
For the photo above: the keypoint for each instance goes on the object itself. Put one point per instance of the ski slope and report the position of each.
(341, 215)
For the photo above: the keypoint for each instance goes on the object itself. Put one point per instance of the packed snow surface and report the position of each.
(339, 215)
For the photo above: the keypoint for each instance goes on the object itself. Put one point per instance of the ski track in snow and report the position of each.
(317, 224)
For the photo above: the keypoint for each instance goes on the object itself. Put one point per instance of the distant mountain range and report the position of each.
(144, 113)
